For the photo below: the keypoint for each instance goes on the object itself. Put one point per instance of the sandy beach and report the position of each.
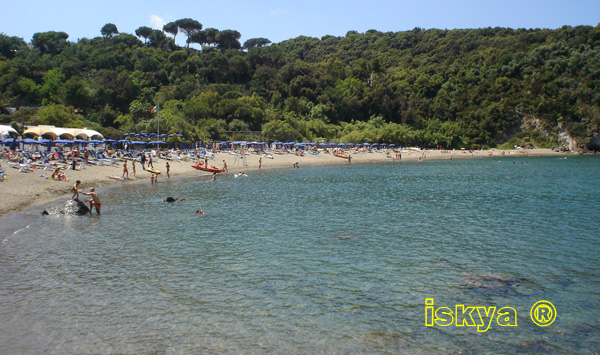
(24, 190)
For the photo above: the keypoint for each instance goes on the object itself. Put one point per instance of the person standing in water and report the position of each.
(94, 201)
(168, 170)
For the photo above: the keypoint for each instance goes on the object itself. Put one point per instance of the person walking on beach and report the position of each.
(133, 167)
(168, 170)
(150, 165)
(143, 160)
(125, 171)
(94, 201)
(225, 165)
(75, 190)
(259, 163)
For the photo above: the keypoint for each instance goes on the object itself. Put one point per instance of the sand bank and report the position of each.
(23, 190)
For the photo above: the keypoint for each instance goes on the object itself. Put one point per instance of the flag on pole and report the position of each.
(153, 110)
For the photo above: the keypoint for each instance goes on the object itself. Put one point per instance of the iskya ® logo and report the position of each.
(542, 313)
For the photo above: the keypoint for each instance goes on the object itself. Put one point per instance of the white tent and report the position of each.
(6, 130)
(59, 132)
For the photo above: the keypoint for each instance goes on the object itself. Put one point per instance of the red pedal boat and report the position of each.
(210, 169)
(339, 155)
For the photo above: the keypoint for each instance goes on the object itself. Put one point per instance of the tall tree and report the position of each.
(256, 42)
(211, 35)
(10, 45)
(144, 32)
(171, 28)
(49, 42)
(189, 27)
(109, 30)
(229, 39)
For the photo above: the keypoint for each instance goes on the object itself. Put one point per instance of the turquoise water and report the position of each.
(314, 260)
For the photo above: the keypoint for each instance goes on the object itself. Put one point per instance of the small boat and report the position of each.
(211, 169)
(340, 155)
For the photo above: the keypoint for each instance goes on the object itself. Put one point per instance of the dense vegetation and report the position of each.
(450, 88)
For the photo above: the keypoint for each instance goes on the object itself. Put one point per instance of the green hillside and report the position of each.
(451, 88)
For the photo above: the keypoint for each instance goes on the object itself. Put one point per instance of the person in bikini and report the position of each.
(75, 190)
(94, 201)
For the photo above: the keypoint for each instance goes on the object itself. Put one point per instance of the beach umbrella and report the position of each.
(322, 144)
(30, 141)
(63, 141)
(341, 144)
(223, 143)
(392, 145)
(158, 142)
(13, 144)
(366, 144)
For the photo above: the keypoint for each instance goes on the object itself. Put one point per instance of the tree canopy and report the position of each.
(450, 88)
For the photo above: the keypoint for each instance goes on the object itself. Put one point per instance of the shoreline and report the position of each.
(23, 191)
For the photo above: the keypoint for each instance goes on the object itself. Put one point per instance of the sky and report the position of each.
(282, 20)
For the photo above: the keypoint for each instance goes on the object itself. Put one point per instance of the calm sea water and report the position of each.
(314, 260)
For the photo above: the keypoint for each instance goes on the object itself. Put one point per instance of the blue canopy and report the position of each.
(341, 144)
(157, 142)
(366, 144)
(63, 141)
(30, 141)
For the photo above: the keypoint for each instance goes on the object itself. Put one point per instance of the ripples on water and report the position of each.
(321, 259)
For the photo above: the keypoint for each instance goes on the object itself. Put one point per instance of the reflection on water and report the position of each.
(323, 259)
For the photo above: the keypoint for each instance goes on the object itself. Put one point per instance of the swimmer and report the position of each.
(200, 212)
(173, 199)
